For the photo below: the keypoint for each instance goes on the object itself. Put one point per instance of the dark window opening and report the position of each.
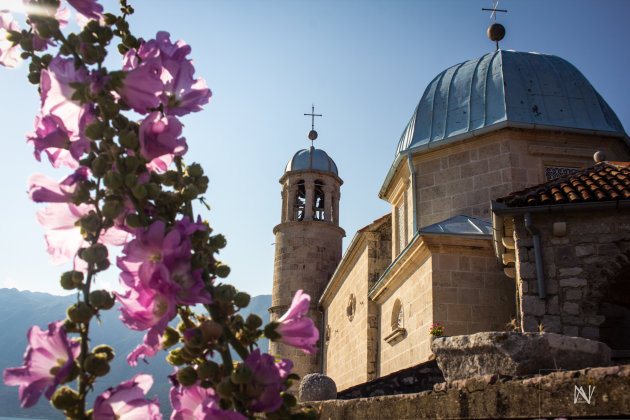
(318, 201)
(615, 306)
(300, 201)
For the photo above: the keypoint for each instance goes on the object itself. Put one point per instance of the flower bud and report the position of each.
(221, 270)
(111, 209)
(131, 180)
(74, 374)
(131, 163)
(104, 350)
(113, 180)
(94, 254)
(94, 130)
(225, 292)
(71, 279)
(195, 170)
(211, 330)
(71, 326)
(187, 376)
(128, 140)
(207, 369)
(241, 299)
(133, 221)
(79, 313)
(100, 166)
(225, 388)
(90, 223)
(171, 337)
(96, 364)
(190, 193)
(270, 331)
(218, 241)
(289, 399)
(175, 358)
(241, 375)
(139, 191)
(194, 338)
(253, 321)
(101, 299)
(65, 398)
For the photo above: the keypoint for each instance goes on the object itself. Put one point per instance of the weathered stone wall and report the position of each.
(491, 397)
(412, 347)
(462, 178)
(579, 268)
(351, 349)
(346, 358)
(306, 255)
(471, 292)
(417, 378)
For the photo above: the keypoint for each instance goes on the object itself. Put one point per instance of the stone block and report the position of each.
(552, 324)
(457, 312)
(515, 354)
(590, 332)
(570, 330)
(553, 307)
(571, 308)
(317, 387)
(570, 271)
(573, 294)
(595, 320)
(584, 250)
(607, 249)
(527, 270)
(573, 282)
(532, 305)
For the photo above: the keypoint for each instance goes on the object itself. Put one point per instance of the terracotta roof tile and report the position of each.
(606, 181)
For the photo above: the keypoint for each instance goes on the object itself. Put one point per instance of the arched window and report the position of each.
(300, 201)
(397, 316)
(352, 307)
(318, 200)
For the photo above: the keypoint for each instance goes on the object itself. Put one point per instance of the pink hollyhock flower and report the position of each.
(142, 83)
(9, 53)
(266, 384)
(50, 136)
(42, 189)
(160, 141)
(56, 96)
(47, 362)
(195, 402)
(148, 304)
(296, 329)
(63, 237)
(61, 14)
(182, 93)
(86, 9)
(153, 246)
(127, 402)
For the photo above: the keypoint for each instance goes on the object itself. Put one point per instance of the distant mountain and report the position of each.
(21, 310)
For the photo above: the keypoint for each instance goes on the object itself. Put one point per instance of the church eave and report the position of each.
(488, 129)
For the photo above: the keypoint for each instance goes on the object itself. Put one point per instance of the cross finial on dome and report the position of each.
(312, 135)
(496, 31)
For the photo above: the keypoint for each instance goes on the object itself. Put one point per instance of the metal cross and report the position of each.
(494, 10)
(313, 115)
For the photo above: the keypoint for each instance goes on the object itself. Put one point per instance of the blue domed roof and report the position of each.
(311, 158)
(507, 88)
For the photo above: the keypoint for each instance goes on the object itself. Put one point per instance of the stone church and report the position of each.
(499, 216)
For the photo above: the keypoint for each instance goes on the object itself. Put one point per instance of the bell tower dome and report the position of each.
(308, 242)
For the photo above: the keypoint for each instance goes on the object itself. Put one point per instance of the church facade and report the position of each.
(449, 252)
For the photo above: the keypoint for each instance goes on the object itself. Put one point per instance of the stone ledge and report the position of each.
(494, 397)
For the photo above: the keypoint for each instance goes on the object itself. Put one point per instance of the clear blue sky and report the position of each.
(364, 64)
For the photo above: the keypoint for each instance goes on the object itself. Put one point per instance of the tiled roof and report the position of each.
(606, 181)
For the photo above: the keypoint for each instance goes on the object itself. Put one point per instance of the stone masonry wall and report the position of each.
(415, 296)
(471, 293)
(578, 269)
(464, 177)
(346, 357)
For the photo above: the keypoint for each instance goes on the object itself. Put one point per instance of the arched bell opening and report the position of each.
(319, 201)
(300, 201)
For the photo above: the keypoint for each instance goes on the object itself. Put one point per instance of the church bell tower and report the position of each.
(308, 242)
